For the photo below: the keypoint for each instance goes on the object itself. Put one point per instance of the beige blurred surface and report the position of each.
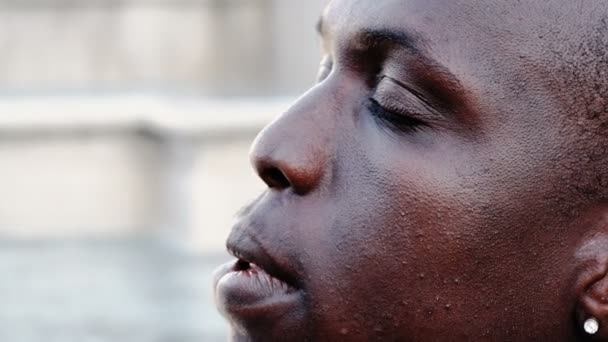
(182, 170)
(128, 116)
(124, 132)
(211, 47)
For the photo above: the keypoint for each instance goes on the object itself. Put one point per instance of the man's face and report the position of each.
(413, 190)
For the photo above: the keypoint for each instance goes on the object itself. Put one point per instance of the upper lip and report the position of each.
(249, 248)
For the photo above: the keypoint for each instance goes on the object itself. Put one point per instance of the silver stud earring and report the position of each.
(591, 326)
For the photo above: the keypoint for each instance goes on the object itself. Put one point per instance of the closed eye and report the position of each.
(401, 122)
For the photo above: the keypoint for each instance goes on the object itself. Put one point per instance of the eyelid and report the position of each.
(401, 98)
(410, 89)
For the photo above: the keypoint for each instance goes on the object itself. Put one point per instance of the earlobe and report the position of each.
(593, 313)
(592, 289)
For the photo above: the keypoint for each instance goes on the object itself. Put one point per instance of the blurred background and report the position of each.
(124, 132)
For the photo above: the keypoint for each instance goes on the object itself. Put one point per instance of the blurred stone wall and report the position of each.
(77, 153)
(124, 132)
(211, 47)
(181, 170)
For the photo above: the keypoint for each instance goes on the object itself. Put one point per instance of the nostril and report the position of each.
(274, 178)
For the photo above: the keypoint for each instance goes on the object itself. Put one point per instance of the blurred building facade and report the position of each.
(124, 125)
(120, 116)
(180, 170)
(211, 47)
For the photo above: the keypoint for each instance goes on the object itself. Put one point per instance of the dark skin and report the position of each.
(445, 180)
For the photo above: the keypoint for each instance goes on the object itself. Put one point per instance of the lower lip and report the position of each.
(252, 292)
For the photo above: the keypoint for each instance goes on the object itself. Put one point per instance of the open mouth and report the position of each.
(263, 281)
(244, 289)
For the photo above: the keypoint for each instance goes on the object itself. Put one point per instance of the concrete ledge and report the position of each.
(114, 3)
(114, 165)
(189, 116)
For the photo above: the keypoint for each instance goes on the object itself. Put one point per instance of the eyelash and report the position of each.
(400, 122)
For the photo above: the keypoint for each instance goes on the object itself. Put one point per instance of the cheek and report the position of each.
(417, 219)
(399, 229)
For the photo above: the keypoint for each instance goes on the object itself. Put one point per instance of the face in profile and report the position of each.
(442, 181)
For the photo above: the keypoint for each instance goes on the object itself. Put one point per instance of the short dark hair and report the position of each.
(583, 71)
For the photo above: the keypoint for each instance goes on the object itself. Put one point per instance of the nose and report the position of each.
(292, 152)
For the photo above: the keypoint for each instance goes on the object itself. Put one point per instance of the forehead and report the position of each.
(472, 15)
(498, 50)
(454, 31)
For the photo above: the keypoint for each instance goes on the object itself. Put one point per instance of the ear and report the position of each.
(592, 286)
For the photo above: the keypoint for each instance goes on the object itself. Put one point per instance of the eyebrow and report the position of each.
(372, 38)
(369, 39)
